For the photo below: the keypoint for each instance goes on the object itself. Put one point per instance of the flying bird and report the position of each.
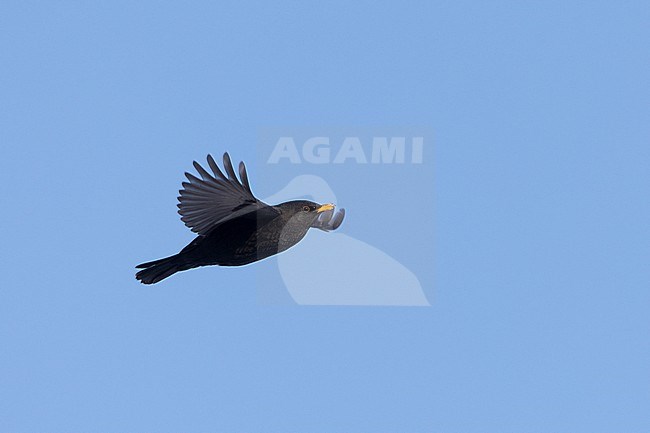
(233, 227)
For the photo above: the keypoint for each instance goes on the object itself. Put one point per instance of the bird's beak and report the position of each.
(325, 207)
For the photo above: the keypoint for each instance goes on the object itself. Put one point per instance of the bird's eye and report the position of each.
(305, 208)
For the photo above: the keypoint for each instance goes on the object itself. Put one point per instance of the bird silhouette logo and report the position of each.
(350, 271)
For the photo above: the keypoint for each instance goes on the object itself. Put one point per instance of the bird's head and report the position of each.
(304, 211)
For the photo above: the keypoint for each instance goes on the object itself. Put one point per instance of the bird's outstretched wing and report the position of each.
(215, 198)
(329, 220)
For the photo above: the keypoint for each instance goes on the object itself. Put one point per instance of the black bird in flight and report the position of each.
(234, 228)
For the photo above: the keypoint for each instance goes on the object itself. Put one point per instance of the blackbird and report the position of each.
(233, 227)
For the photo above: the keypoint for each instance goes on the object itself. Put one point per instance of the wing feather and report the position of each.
(215, 197)
(227, 164)
(244, 177)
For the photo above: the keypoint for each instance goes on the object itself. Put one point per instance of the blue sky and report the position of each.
(538, 278)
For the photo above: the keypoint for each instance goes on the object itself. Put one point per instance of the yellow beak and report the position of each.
(325, 207)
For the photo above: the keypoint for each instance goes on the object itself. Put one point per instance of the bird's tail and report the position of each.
(158, 270)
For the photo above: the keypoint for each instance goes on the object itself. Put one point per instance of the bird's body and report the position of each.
(234, 228)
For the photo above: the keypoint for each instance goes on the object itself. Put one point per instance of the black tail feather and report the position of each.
(153, 263)
(158, 270)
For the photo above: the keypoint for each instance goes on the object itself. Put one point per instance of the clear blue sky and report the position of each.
(539, 281)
